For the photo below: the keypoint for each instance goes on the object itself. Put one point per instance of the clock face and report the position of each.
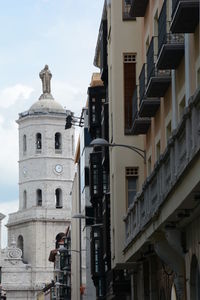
(58, 168)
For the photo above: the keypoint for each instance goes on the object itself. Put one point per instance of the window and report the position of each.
(39, 197)
(58, 198)
(58, 141)
(198, 78)
(181, 108)
(24, 144)
(126, 5)
(131, 184)
(38, 142)
(129, 86)
(24, 199)
(158, 150)
(20, 244)
(168, 131)
(149, 166)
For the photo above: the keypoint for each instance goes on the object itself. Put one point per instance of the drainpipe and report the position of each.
(171, 257)
(187, 69)
(174, 104)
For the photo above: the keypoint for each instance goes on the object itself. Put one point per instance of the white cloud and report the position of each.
(7, 208)
(9, 95)
(69, 96)
(9, 153)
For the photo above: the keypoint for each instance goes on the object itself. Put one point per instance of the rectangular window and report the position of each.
(149, 166)
(129, 86)
(131, 184)
(158, 150)
(126, 5)
(181, 108)
(198, 78)
(168, 131)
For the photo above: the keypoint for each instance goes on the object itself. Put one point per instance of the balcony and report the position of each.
(185, 16)
(158, 81)
(140, 125)
(103, 52)
(170, 46)
(138, 8)
(148, 106)
(97, 96)
(175, 165)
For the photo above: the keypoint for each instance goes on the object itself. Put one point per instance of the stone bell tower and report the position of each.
(46, 168)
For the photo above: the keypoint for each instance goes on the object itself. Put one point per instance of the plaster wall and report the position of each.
(124, 37)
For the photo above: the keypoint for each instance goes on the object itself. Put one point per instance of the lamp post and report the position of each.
(103, 143)
(80, 217)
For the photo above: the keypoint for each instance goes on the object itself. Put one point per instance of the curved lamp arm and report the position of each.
(103, 143)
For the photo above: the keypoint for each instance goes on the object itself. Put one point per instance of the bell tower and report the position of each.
(46, 169)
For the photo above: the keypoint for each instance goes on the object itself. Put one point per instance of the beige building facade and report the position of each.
(148, 55)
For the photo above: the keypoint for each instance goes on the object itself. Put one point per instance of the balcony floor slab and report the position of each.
(186, 17)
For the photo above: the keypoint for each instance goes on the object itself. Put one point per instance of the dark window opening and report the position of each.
(24, 199)
(131, 184)
(38, 141)
(20, 244)
(58, 198)
(24, 144)
(126, 6)
(129, 86)
(39, 197)
(58, 141)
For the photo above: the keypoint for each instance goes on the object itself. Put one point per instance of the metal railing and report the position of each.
(151, 58)
(135, 104)
(165, 36)
(142, 83)
(183, 146)
(152, 70)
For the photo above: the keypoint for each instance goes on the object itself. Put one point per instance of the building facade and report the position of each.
(149, 59)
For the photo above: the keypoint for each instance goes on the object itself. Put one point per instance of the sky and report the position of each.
(60, 33)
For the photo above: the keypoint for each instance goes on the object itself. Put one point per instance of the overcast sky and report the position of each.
(60, 33)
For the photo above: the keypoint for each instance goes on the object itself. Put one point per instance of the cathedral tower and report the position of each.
(46, 152)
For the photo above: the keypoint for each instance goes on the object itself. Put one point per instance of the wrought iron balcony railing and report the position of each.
(142, 83)
(170, 46)
(182, 149)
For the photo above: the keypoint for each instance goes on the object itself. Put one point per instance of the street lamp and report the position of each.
(103, 143)
(81, 216)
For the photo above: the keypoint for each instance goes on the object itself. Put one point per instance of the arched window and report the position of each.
(38, 141)
(24, 144)
(58, 141)
(39, 197)
(20, 244)
(59, 238)
(194, 279)
(24, 199)
(58, 198)
(173, 293)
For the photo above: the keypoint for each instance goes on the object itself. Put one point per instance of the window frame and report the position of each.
(131, 174)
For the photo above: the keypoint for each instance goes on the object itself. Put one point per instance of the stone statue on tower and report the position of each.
(45, 76)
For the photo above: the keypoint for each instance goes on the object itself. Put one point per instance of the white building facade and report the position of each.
(46, 169)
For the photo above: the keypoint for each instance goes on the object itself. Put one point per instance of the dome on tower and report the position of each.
(46, 102)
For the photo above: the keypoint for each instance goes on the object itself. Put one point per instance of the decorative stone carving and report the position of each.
(13, 252)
